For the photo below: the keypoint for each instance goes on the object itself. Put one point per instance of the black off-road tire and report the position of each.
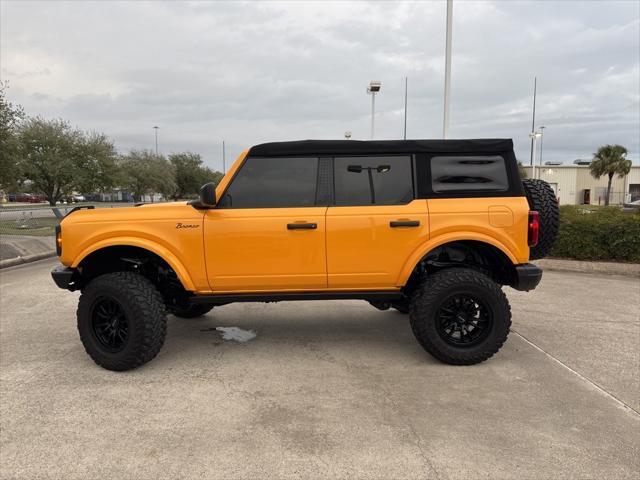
(144, 310)
(542, 199)
(440, 288)
(193, 310)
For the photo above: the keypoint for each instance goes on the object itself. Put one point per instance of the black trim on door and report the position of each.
(302, 226)
(404, 223)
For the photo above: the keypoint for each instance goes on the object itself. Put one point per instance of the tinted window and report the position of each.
(469, 173)
(373, 180)
(273, 182)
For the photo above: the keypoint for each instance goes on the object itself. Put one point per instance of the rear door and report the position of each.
(375, 223)
(267, 232)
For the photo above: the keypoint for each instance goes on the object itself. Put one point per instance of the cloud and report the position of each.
(262, 71)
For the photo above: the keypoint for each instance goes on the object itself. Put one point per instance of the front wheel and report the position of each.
(460, 316)
(121, 320)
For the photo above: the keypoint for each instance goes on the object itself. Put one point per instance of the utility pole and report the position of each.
(156, 130)
(224, 158)
(447, 71)
(533, 121)
(406, 84)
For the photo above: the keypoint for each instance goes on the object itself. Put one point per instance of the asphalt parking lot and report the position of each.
(325, 390)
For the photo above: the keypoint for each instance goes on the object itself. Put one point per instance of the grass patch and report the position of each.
(38, 227)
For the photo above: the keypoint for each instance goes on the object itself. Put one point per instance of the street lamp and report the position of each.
(541, 139)
(370, 170)
(372, 89)
(534, 137)
(156, 130)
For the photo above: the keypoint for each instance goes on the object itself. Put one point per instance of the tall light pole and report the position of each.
(542, 127)
(156, 130)
(372, 89)
(406, 87)
(447, 71)
(534, 137)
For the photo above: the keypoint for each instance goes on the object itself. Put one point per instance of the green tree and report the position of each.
(143, 172)
(49, 156)
(98, 162)
(58, 159)
(10, 118)
(190, 174)
(610, 160)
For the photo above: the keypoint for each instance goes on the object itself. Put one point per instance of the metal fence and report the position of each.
(40, 220)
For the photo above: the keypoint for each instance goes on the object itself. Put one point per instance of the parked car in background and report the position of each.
(631, 207)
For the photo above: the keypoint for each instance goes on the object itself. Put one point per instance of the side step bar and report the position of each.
(371, 296)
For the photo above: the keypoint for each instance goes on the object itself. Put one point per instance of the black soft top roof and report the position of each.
(356, 147)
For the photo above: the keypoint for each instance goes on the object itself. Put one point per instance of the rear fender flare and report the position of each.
(427, 247)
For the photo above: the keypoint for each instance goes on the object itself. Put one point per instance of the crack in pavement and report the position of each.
(601, 389)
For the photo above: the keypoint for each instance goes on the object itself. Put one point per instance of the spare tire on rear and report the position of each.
(542, 199)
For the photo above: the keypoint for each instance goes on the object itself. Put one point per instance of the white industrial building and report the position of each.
(574, 184)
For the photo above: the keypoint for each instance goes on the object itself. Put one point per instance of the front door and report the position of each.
(375, 224)
(267, 233)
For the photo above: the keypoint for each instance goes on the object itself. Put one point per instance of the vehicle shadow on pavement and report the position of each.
(343, 328)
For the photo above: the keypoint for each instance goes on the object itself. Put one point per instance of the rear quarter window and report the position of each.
(469, 173)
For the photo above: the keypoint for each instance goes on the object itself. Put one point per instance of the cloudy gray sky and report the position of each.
(265, 71)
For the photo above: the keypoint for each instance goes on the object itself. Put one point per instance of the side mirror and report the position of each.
(208, 195)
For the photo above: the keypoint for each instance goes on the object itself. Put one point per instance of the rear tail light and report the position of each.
(534, 228)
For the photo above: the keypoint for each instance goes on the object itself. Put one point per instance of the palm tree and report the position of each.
(610, 160)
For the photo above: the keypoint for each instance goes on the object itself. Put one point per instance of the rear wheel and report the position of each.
(460, 316)
(121, 320)
(193, 310)
(542, 199)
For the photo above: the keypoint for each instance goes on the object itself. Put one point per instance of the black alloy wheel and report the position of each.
(109, 324)
(463, 320)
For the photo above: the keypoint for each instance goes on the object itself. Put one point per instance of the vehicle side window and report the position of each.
(373, 180)
(273, 182)
(469, 173)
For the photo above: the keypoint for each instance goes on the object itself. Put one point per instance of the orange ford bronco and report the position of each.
(432, 228)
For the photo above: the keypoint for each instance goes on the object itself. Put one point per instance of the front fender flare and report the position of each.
(145, 244)
(433, 243)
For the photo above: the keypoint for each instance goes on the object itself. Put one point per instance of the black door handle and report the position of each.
(404, 223)
(302, 226)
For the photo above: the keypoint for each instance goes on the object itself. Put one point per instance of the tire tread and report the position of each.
(141, 296)
(421, 316)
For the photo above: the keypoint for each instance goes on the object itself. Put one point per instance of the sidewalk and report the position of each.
(16, 249)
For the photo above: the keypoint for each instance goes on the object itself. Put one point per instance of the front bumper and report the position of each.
(527, 277)
(63, 276)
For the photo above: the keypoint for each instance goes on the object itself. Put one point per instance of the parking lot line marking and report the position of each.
(620, 403)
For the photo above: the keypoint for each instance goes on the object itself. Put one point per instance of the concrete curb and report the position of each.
(12, 262)
(607, 268)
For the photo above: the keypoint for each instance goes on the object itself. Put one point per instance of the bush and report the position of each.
(588, 233)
